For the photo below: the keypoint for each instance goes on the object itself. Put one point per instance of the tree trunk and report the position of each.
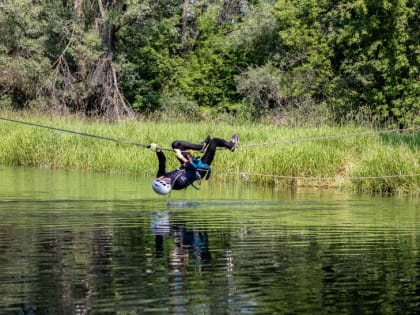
(111, 102)
(184, 22)
(86, 85)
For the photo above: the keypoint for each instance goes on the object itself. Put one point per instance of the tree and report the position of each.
(355, 55)
(23, 60)
(307, 52)
(375, 59)
(111, 102)
(150, 43)
(256, 56)
(84, 77)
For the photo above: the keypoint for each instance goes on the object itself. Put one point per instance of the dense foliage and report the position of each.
(291, 60)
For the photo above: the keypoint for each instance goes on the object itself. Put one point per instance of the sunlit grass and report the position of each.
(275, 160)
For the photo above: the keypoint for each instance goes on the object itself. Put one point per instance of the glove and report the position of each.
(154, 147)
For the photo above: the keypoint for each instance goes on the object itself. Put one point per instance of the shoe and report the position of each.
(205, 144)
(235, 142)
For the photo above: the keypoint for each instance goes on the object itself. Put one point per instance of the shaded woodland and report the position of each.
(285, 61)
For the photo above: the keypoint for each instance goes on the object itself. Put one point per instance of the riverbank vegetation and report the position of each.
(353, 158)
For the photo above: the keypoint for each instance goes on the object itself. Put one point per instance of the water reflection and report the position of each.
(191, 246)
(257, 254)
(195, 280)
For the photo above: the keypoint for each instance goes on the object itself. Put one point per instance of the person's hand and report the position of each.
(153, 147)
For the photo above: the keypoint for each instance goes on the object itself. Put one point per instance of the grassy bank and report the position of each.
(366, 163)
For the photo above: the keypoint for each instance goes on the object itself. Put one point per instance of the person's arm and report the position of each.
(181, 156)
(161, 158)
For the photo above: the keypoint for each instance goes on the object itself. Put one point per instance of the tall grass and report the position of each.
(345, 162)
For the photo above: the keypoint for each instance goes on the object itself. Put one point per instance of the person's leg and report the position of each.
(162, 163)
(181, 147)
(218, 143)
(185, 145)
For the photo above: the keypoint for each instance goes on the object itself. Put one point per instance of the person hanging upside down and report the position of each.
(192, 168)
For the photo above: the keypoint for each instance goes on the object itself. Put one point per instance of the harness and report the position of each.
(194, 167)
(200, 166)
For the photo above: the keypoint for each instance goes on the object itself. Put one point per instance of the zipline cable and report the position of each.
(245, 176)
(80, 133)
(369, 133)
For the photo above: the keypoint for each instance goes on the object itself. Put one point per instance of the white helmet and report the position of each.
(161, 187)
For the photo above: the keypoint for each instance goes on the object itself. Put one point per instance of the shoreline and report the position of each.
(348, 157)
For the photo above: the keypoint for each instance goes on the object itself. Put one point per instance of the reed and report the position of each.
(362, 163)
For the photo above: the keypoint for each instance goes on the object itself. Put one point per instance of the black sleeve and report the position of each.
(162, 163)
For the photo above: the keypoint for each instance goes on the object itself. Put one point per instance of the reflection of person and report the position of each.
(190, 244)
(192, 169)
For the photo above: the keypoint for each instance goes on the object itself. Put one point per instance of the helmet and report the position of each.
(161, 187)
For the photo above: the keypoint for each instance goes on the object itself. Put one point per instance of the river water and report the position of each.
(81, 243)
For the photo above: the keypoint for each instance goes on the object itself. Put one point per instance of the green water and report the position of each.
(75, 243)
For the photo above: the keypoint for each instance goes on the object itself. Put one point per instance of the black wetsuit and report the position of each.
(186, 175)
